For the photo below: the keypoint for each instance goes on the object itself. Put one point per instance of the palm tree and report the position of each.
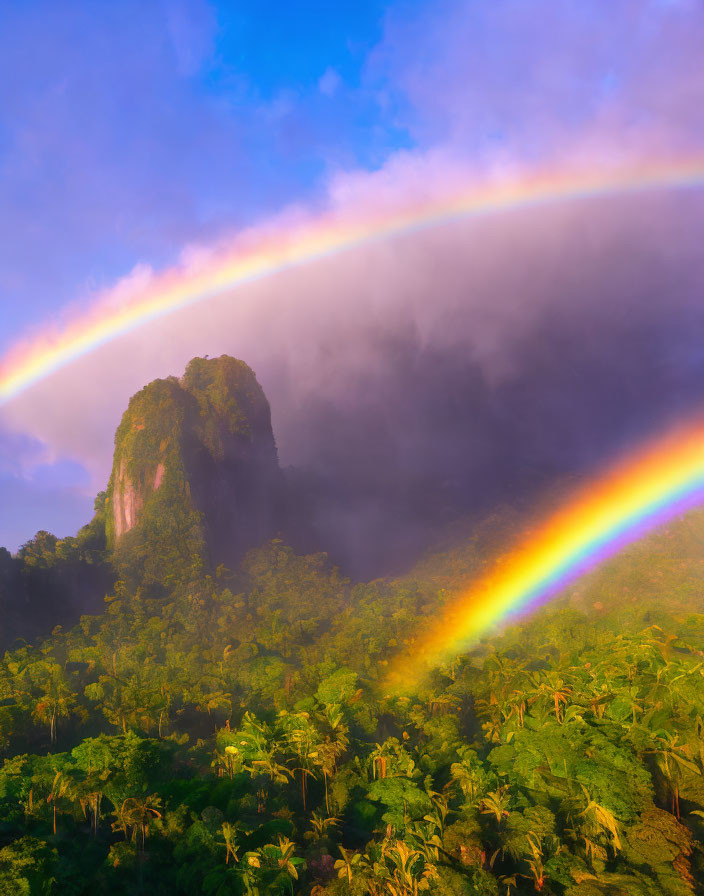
(599, 823)
(348, 865)
(285, 858)
(259, 753)
(56, 697)
(135, 814)
(268, 766)
(277, 861)
(672, 758)
(469, 776)
(301, 737)
(90, 800)
(228, 832)
(535, 862)
(229, 761)
(321, 824)
(331, 748)
(410, 871)
(60, 789)
(496, 803)
(557, 690)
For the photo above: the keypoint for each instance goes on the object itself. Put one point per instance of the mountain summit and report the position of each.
(195, 478)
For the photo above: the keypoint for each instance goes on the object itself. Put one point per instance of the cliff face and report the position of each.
(233, 467)
(195, 477)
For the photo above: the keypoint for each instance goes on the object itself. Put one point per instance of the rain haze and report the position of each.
(412, 379)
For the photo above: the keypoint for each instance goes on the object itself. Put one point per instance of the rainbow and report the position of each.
(654, 484)
(40, 356)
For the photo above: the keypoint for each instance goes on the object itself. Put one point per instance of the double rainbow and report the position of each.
(647, 489)
(643, 491)
(40, 356)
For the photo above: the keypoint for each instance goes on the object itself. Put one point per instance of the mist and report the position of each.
(427, 378)
(412, 381)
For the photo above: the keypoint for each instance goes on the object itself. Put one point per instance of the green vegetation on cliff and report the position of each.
(195, 474)
(234, 737)
(153, 527)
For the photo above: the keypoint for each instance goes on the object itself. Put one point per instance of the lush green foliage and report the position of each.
(194, 477)
(233, 736)
(52, 581)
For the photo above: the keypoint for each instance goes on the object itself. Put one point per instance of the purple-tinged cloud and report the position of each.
(462, 361)
(542, 80)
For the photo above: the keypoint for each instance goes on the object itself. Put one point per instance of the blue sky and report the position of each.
(130, 130)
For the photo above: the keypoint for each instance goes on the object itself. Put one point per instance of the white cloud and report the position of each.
(329, 82)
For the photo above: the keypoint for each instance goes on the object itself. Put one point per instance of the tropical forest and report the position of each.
(192, 701)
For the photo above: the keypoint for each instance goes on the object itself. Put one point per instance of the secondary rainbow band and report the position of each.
(655, 484)
(327, 235)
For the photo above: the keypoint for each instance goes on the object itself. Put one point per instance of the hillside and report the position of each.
(237, 735)
(229, 730)
(665, 568)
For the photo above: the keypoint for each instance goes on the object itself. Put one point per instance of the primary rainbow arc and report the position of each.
(654, 484)
(43, 356)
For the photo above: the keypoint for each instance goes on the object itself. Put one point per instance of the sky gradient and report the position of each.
(134, 137)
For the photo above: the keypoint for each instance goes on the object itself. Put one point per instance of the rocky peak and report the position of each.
(195, 475)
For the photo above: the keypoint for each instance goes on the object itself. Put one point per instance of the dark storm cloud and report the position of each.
(439, 373)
